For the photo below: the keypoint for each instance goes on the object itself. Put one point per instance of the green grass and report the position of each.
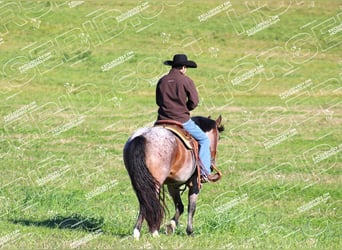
(64, 122)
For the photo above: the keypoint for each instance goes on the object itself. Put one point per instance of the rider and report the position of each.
(176, 96)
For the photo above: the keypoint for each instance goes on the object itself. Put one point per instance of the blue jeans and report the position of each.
(203, 140)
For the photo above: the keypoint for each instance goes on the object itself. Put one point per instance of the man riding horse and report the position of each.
(176, 96)
(158, 155)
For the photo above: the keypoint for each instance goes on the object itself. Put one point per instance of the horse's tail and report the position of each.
(144, 184)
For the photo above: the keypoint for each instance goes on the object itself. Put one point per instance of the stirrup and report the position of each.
(218, 172)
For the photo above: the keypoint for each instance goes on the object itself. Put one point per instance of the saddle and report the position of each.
(177, 128)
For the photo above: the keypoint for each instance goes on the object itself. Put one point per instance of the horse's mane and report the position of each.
(206, 124)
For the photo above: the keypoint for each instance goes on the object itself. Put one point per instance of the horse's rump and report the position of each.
(146, 187)
(166, 156)
(154, 156)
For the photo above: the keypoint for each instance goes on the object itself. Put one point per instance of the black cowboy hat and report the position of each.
(181, 60)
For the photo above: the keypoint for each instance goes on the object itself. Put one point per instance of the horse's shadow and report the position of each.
(73, 222)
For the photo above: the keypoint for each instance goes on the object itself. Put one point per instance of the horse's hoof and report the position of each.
(155, 234)
(171, 228)
(136, 234)
(190, 232)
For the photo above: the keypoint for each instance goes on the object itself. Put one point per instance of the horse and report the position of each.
(155, 156)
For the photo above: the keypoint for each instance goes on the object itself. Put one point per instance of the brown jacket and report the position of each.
(176, 96)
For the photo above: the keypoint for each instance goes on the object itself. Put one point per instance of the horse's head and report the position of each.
(212, 128)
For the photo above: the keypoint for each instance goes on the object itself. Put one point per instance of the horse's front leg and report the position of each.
(193, 195)
(179, 208)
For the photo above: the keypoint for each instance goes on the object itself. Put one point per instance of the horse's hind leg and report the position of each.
(191, 212)
(179, 208)
(193, 195)
(137, 227)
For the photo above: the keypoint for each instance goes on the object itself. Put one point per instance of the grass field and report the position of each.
(78, 77)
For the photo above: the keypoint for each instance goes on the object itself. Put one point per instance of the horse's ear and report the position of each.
(219, 120)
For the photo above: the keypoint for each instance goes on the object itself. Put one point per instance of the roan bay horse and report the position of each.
(155, 156)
